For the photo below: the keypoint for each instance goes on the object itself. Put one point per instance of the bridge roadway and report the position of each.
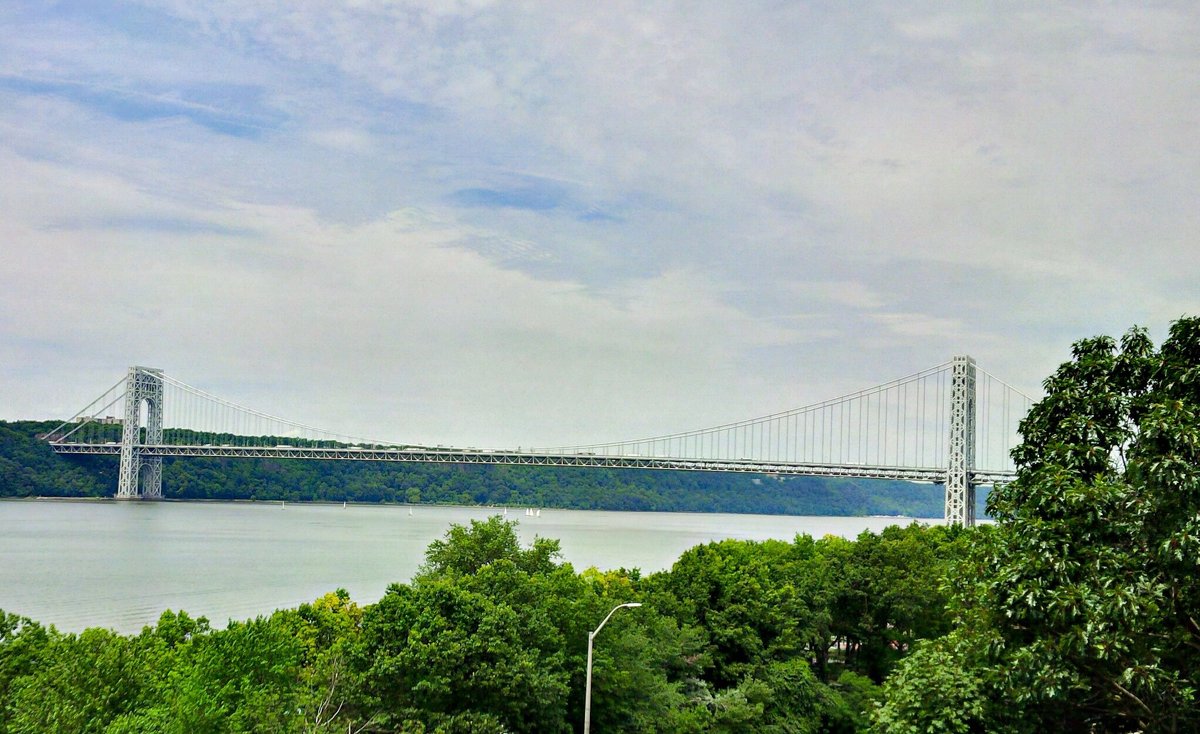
(532, 458)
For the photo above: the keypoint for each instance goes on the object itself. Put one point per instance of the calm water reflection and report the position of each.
(118, 565)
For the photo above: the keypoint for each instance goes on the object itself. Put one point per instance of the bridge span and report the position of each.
(952, 424)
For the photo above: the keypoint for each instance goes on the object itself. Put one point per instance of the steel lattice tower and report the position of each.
(143, 384)
(960, 491)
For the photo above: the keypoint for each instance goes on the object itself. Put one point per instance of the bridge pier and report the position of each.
(140, 476)
(960, 490)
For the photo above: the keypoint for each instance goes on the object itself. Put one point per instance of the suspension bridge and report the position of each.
(952, 424)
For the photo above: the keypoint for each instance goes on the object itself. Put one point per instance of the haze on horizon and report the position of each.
(487, 224)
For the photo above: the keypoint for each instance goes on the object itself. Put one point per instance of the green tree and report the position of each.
(932, 691)
(491, 628)
(1088, 588)
(885, 592)
(755, 602)
(437, 647)
(82, 683)
(240, 679)
(23, 645)
(326, 631)
(466, 549)
(475, 634)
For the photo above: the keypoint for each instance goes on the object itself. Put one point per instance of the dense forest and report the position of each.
(1074, 612)
(28, 468)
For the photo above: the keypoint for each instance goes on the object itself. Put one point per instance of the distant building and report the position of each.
(103, 420)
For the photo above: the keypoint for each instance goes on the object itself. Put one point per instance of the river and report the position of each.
(78, 564)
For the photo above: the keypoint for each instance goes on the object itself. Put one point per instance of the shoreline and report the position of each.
(348, 504)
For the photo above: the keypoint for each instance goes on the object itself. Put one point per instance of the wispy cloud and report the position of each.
(159, 225)
(539, 199)
(138, 105)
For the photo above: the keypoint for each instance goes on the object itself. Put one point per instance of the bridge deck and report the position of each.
(525, 458)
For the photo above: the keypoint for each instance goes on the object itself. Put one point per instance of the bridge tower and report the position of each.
(960, 491)
(143, 385)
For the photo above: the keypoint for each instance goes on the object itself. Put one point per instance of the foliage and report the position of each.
(23, 645)
(888, 592)
(932, 691)
(866, 600)
(1081, 610)
(850, 702)
(29, 468)
(467, 550)
(441, 648)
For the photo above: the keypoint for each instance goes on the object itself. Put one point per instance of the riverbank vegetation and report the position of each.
(29, 468)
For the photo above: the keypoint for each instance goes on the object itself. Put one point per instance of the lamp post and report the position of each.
(587, 694)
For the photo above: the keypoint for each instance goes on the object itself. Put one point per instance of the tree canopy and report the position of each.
(1082, 606)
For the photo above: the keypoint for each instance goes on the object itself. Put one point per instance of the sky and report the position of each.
(547, 223)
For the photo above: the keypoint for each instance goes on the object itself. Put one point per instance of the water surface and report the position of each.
(120, 564)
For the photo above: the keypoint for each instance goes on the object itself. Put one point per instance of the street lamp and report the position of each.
(587, 695)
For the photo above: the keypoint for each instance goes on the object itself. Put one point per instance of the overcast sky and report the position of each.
(495, 224)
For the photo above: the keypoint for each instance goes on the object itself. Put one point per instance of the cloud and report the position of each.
(162, 225)
(141, 106)
(444, 331)
(627, 216)
(534, 199)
